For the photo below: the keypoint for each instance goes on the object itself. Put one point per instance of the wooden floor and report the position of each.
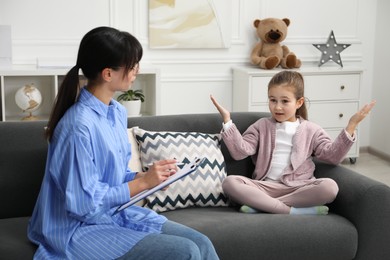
(372, 166)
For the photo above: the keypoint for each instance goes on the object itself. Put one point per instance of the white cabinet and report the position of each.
(332, 95)
(48, 81)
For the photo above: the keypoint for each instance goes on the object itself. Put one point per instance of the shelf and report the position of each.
(48, 81)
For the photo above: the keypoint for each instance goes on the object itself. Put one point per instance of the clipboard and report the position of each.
(187, 169)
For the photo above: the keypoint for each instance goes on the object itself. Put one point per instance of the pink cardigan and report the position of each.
(258, 141)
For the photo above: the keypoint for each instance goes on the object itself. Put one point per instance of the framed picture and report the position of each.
(179, 24)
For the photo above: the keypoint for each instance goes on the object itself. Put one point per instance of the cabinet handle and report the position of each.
(342, 87)
(341, 115)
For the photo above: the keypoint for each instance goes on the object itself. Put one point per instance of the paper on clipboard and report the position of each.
(187, 169)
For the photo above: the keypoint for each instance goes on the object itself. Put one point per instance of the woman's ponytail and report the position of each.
(66, 97)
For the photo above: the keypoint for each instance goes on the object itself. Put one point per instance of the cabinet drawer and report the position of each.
(259, 89)
(317, 87)
(332, 87)
(259, 108)
(332, 114)
(327, 115)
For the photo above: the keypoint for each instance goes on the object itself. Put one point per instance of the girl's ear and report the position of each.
(106, 74)
(300, 102)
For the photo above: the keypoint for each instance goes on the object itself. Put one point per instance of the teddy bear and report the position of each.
(268, 53)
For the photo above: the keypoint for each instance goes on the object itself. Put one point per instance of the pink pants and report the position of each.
(276, 197)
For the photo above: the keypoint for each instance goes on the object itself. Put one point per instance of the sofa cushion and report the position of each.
(271, 236)
(135, 160)
(14, 242)
(23, 150)
(202, 188)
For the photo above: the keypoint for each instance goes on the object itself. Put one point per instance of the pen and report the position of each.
(178, 164)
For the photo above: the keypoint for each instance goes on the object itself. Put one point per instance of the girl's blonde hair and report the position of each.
(295, 80)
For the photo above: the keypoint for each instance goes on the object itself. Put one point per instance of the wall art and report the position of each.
(178, 24)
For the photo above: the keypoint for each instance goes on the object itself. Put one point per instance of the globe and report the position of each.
(28, 98)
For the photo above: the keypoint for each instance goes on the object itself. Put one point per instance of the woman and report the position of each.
(87, 177)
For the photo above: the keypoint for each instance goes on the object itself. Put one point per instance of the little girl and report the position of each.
(282, 148)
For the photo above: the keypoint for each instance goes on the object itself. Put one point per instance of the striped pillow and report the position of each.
(202, 188)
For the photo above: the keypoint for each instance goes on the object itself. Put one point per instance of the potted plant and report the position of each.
(131, 100)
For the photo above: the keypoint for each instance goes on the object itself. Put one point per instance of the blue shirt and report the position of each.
(85, 181)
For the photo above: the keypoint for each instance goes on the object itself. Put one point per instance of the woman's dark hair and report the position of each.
(295, 80)
(100, 48)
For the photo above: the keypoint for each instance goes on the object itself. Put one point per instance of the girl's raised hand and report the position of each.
(359, 116)
(224, 112)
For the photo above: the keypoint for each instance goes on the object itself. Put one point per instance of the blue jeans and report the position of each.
(175, 242)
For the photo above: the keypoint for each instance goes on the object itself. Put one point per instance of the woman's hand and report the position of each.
(157, 173)
(160, 171)
(224, 112)
(358, 117)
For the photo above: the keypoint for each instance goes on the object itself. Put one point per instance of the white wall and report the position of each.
(47, 30)
(380, 119)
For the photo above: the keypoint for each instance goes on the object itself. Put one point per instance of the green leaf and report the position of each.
(132, 95)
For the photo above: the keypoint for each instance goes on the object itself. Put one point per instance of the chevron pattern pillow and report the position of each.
(202, 188)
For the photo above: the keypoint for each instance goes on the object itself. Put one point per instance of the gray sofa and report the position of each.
(358, 226)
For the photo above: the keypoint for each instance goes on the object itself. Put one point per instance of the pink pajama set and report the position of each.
(283, 177)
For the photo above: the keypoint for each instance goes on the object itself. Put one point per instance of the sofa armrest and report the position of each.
(366, 203)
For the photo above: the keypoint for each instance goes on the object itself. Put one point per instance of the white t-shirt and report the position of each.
(283, 147)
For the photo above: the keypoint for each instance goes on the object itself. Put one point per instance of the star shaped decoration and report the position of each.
(331, 50)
